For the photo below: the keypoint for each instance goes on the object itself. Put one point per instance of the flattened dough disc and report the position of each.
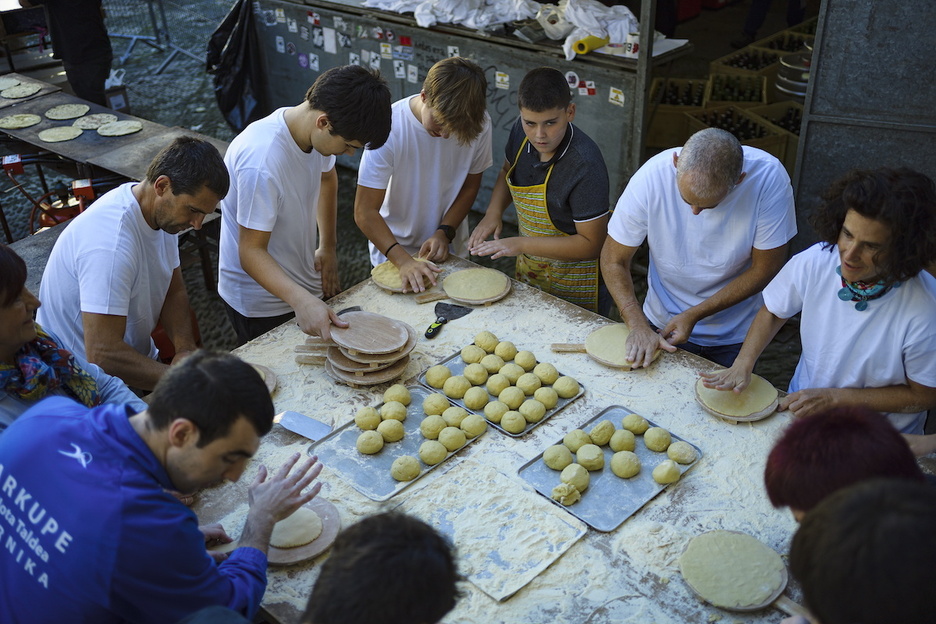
(269, 377)
(758, 401)
(67, 111)
(21, 90)
(387, 276)
(331, 524)
(733, 570)
(476, 286)
(120, 128)
(22, 120)
(300, 528)
(94, 121)
(606, 346)
(59, 134)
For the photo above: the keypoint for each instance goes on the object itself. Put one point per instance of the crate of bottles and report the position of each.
(807, 28)
(785, 42)
(670, 99)
(749, 61)
(785, 117)
(749, 129)
(732, 90)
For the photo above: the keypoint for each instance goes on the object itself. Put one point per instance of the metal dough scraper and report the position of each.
(445, 312)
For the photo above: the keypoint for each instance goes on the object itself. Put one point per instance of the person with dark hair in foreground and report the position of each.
(407, 568)
(865, 555)
(868, 329)
(91, 534)
(825, 452)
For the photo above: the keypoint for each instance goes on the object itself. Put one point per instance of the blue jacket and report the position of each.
(89, 534)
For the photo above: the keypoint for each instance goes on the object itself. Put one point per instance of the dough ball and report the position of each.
(495, 410)
(557, 456)
(635, 423)
(391, 430)
(590, 456)
(394, 410)
(622, 440)
(513, 422)
(625, 464)
(657, 439)
(601, 433)
(512, 372)
(532, 410)
(454, 416)
(436, 375)
(566, 387)
(575, 439)
(505, 350)
(475, 373)
(405, 468)
(298, 529)
(575, 475)
(397, 392)
(487, 341)
(529, 383)
(681, 452)
(525, 360)
(472, 354)
(367, 418)
(432, 452)
(369, 442)
(476, 398)
(492, 363)
(566, 494)
(435, 403)
(546, 372)
(547, 396)
(512, 397)
(455, 387)
(496, 384)
(666, 472)
(452, 438)
(431, 426)
(473, 425)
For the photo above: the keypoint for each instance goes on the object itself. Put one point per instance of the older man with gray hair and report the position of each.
(717, 218)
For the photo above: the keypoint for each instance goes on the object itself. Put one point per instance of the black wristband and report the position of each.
(448, 230)
(387, 253)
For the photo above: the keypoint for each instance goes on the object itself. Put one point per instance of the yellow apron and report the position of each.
(576, 281)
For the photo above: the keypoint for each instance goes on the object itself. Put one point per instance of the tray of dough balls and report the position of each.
(612, 466)
(512, 389)
(388, 446)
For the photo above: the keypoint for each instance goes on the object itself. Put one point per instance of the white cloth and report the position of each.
(422, 175)
(479, 14)
(108, 261)
(694, 256)
(274, 188)
(590, 17)
(891, 341)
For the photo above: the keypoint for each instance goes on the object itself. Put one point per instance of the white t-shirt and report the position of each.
(892, 340)
(694, 256)
(274, 188)
(108, 261)
(422, 175)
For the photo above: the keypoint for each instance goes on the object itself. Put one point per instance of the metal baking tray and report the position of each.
(370, 474)
(609, 499)
(457, 365)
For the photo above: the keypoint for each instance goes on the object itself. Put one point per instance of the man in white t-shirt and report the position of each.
(414, 193)
(114, 273)
(717, 218)
(278, 229)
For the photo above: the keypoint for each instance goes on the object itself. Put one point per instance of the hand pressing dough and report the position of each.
(456, 386)
(532, 410)
(575, 439)
(431, 426)
(454, 416)
(475, 373)
(601, 433)
(566, 494)
(472, 354)
(590, 457)
(405, 468)
(757, 397)
(299, 529)
(547, 396)
(575, 475)
(492, 363)
(387, 275)
(546, 372)
(486, 340)
(452, 438)
(566, 387)
(367, 418)
(393, 410)
(476, 398)
(435, 403)
(657, 439)
(506, 350)
(496, 384)
(436, 375)
(391, 430)
(557, 456)
(513, 422)
(495, 410)
(398, 393)
(512, 397)
(529, 383)
(635, 423)
(666, 472)
(607, 345)
(512, 372)
(622, 440)
(681, 452)
(369, 442)
(432, 452)
(731, 570)
(473, 425)
(525, 360)
(625, 464)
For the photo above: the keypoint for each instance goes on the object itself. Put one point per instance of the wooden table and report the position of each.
(631, 572)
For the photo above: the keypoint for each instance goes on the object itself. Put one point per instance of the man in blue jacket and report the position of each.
(88, 531)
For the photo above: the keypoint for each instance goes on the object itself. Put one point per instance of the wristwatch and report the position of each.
(448, 230)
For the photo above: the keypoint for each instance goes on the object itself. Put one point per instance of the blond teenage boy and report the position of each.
(414, 192)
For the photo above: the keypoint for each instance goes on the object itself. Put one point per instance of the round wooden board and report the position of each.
(755, 416)
(367, 379)
(331, 524)
(269, 377)
(382, 360)
(617, 332)
(462, 298)
(342, 362)
(370, 333)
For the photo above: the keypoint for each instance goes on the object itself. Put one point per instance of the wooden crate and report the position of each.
(771, 142)
(743, 83)
(728, 65)
(807, 28)
(772, 112)
(785, 42)
(667, 122)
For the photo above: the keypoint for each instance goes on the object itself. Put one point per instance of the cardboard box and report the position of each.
(769, 114)
(727, 84)
(768, 139)
(667, 122)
